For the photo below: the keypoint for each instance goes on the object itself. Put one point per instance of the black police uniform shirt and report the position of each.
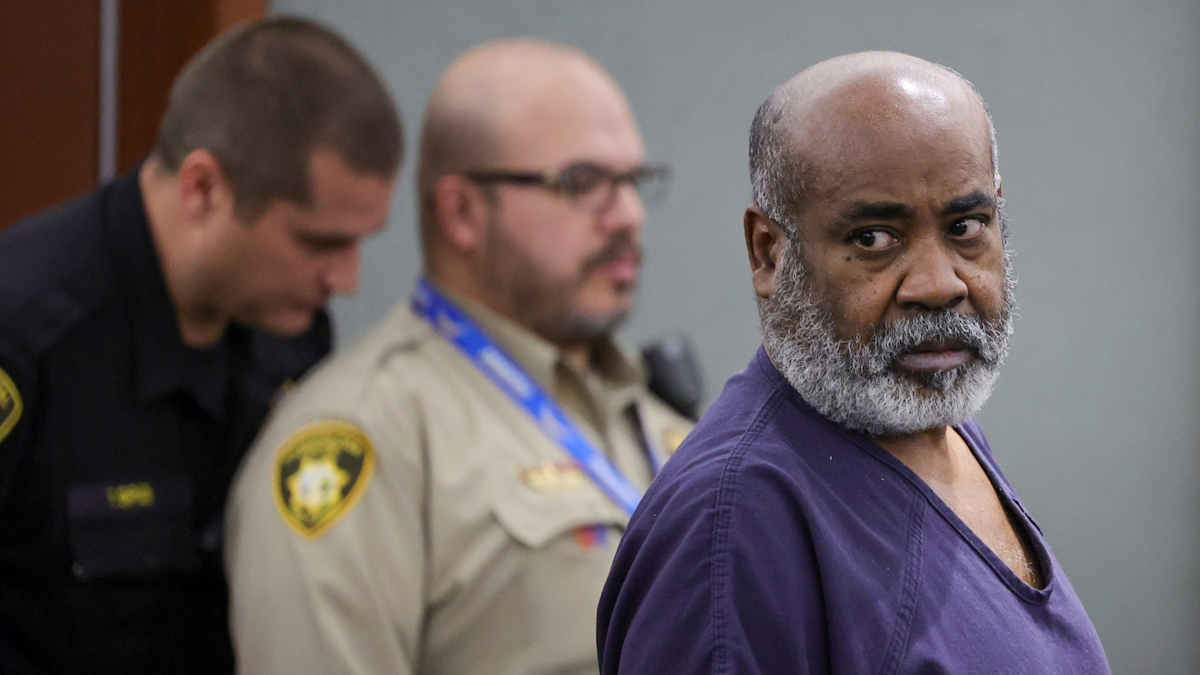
(117, 446)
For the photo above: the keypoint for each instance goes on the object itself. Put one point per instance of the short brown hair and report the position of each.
(263, 96)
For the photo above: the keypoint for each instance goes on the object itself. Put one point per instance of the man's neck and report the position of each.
(928, 440)
(577, 355)
(200, 324)
(937, 455)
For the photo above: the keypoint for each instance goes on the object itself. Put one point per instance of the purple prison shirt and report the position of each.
(776, 541)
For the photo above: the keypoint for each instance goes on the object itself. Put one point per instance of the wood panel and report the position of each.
(49, 76)
(157, 39)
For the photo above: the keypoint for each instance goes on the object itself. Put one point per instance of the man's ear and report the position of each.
(203, 189)
(765, 241)
(461, 210)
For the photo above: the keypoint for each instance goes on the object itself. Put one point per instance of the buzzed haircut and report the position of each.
(263, 96)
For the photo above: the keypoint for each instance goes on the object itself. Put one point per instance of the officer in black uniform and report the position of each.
(145, 332)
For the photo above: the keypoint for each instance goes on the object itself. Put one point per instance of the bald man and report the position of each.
(838, 509)
(447, 495)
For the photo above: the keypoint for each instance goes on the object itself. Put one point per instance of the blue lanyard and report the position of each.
(454, 325)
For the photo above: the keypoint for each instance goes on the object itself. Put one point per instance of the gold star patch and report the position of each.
(10, 404)
(321, 471)
(553, 476)
(672, 439)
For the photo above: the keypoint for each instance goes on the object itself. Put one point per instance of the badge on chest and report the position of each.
(553, 476)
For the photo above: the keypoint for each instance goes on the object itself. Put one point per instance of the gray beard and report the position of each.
(856, 382)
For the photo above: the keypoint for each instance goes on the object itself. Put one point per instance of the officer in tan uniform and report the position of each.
(414, 507)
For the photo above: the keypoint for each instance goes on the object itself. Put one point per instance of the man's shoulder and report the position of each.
(759, 446)
(746, 415)
(341, 391)
(358, 385)
(727, 508)
(54, 273)
(393, 337)
(711, 462)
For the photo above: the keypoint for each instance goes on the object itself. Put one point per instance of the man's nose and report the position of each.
(626, 212)
(932, 280)
(342, 274)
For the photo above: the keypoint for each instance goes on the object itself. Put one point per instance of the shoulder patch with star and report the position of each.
(321, 471)
(10, 404)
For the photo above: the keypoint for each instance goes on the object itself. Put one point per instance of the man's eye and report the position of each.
(966, 228)
(576, 181)
(874, 240)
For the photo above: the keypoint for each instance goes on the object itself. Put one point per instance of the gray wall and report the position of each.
(1096, 104)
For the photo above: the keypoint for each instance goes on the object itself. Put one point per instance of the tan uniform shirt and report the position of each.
(401, 515)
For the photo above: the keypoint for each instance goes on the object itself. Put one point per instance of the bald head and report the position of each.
(530, 160)
(839, 110)
(509, 104)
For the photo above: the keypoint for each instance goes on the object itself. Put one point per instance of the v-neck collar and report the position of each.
(973, 437)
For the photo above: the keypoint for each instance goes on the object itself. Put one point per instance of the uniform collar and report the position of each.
(162, 363)
(540, 359)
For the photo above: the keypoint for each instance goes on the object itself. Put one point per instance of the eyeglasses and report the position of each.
(590, 186)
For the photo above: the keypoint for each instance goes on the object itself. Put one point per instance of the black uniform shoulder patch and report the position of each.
(321, 471)
(10, 404)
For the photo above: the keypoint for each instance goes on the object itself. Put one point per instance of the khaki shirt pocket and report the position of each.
(545, 581)
(540, 504)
